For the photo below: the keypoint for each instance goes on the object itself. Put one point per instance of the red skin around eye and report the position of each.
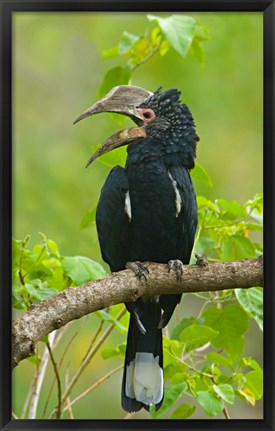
(147, 114)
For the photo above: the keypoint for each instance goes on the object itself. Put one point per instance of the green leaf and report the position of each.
(201, 35)
(252, 302)
(88, 218)
(115, 157)
(210, 403)
(226, 392)
(139, 52)
(199, 173)
(183, 411)
(197, 335)
(34, 360)
(82, 269)
(127, 41)
(247, 395)
(249, 362)
(18, 303)
(254, 382)
(232, 323)
(232, 209)
(173, 346)
(254, 226)
(116, 76)
(119, 350)
(255, 205)
(109, 53)
(164, 48)
(156, 36)
(178, 377)
(237, 247)
(40, 252)
(178, 30)
(109, 318)
(45, 293)
(184, 323)
(256, 216)
(45, 339)
(173, 368)
(170, 360)
(39, 291)
(25, 241)
(53, 248)
(218, 359)
(204, 203)
(172, 394)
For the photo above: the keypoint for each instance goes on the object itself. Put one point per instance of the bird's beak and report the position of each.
(123, 99)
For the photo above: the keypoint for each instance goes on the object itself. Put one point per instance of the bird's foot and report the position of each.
(138, 269)
(177, 266)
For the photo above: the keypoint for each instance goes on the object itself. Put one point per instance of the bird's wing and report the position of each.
(112, 219)
(186, 229)
(187, 217)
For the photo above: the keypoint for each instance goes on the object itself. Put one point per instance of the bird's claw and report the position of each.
(177, 266)
(138, 268)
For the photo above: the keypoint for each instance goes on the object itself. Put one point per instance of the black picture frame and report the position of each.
(267, 7)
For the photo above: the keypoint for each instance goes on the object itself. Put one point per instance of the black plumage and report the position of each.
(147, 212)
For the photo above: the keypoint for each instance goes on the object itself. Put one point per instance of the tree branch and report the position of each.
(72, 303)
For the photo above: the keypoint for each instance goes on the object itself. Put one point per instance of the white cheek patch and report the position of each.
(144, 379)
(127, 207)
(178, 201)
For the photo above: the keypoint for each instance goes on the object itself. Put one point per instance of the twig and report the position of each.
(39, 379)
(60, 335)
(69, 405)
(89, 357)
(27, 400)
(59, 366)
(91, 388)
(94, 339)
(145, 59)
(225, 412)
(58, 410)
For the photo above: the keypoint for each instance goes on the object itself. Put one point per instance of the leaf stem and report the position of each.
(91, 388)
(89, 357)
(27, 400)
(145, 59)
(69, 406)
(34, 263)
(94, 339)
(39, 378)
(59, 365)
(225, 412)
(58, 410)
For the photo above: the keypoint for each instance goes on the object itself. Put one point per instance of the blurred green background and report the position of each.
(57, 71)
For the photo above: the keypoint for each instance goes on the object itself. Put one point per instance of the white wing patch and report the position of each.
(178, 201)
(127, 207)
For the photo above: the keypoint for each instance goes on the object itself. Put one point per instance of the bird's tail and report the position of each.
(142, 384)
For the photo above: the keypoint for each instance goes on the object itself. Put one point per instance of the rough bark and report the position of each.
(73, 303)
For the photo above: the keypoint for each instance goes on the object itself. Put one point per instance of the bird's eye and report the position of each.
(147, 114)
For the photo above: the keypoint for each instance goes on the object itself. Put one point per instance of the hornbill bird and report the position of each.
(147, 212)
